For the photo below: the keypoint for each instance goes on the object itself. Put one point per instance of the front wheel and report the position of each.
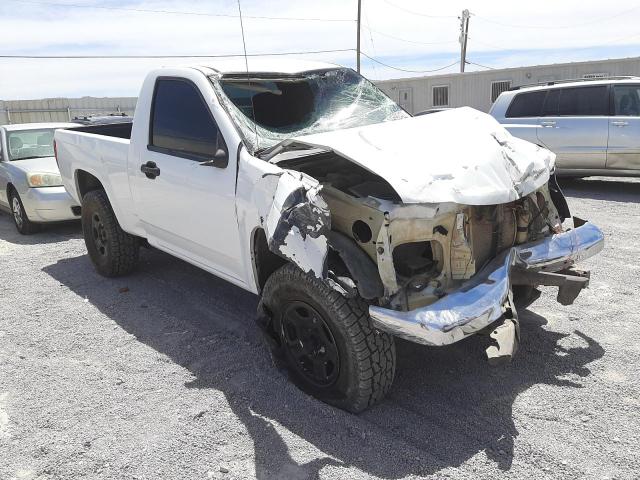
(20, 219)
(327, 342)
(113, 251)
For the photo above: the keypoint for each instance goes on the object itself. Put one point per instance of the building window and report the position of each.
(498, 87)
(595, 75)
(405, 97)
(441, 96)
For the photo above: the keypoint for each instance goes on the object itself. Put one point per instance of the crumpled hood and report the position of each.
(461, 155)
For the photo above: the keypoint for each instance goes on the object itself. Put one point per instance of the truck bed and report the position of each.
(100, 151)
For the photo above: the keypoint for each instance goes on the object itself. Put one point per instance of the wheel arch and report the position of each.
(264, 261)
(344, 255)
(86, 182)
(362, 269)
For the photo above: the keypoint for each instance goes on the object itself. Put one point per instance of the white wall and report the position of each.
(474, 88)
(62, 109)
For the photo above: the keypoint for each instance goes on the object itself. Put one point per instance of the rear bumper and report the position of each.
(49, 204)
(487, 297)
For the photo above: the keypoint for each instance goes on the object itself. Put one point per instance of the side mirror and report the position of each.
(220, 159)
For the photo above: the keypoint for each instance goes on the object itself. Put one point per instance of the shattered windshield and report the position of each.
(270, 110)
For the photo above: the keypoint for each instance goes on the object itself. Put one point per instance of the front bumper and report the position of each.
(487, 297)
(49, 204)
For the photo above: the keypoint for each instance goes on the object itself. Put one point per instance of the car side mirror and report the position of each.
(220, 159)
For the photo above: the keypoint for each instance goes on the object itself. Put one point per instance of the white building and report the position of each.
(480, 89)
(475, 89)
(62, 109)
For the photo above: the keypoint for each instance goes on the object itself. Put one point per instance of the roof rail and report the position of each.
(571, 80)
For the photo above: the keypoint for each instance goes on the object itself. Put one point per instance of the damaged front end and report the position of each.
(433, 273)
(445, 223)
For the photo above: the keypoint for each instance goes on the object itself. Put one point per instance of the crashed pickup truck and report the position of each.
(354, 222)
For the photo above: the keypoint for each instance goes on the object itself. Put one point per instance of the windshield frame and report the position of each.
(251, 137)
(36, 131)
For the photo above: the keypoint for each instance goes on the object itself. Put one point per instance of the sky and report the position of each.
(413, 35)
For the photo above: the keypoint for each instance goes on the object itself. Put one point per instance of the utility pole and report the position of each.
(358, 39)
(464, 34)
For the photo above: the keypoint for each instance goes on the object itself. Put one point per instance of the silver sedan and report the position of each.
(30, 185)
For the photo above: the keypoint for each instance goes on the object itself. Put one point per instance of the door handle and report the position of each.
(620, 123)
(150, 169)
(548, 123)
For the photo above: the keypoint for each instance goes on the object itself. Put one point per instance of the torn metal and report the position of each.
(297, 221)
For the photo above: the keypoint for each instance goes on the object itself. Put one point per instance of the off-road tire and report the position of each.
(115, 252)
(367, 357)
(25, 226)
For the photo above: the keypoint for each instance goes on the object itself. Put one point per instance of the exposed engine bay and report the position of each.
(422, 251)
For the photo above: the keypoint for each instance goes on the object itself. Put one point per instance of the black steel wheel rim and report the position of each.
(99, 234)
(310, 345)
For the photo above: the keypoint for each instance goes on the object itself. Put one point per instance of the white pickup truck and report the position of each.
(355, 222)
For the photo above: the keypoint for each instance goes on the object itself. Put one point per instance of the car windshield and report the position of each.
(269, 110)
(25, 144)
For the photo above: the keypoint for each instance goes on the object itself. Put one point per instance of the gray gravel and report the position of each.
(162, 375)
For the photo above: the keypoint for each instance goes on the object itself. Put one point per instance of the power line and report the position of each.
(413, 12)
(83, 57)
(479, 65)
(373, 47)
(551, 27)
(406, 70)
(178, 12)
(416, 42)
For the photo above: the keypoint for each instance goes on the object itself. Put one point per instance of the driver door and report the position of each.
(184, 186)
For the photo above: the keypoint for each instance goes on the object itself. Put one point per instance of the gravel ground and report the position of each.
(163, 375)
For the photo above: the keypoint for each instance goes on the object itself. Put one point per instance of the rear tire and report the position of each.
(326, 341)
(113, 251)
(19, 215)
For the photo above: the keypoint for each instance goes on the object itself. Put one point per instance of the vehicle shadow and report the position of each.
(625, 190)
(446, 405)
(49, 233)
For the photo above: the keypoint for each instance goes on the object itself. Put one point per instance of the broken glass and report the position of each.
(268, 110)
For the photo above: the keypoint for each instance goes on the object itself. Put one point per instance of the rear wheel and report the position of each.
(326, 341)
(113, 251)
(20, 219)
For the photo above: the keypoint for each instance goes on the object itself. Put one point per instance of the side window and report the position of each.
(626, 100)
(181, 122)
(526, 104)
(583, 101)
